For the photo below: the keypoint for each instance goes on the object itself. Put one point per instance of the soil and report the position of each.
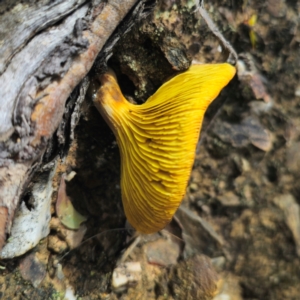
(243, 196)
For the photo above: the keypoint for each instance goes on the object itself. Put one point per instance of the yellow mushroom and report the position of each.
(157, 140)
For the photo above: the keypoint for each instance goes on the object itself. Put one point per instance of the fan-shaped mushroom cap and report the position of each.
(157, 140)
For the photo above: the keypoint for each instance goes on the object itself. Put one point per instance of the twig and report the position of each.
(233, 57)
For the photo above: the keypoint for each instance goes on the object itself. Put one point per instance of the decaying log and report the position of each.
(49, 47)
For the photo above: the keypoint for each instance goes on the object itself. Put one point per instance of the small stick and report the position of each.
(129, 250)
(233, 57)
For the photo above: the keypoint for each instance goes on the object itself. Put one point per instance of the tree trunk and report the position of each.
(47, 50)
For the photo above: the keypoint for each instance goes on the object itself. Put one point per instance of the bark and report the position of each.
(48, 48)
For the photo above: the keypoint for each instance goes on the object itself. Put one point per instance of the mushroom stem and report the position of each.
(157, 139)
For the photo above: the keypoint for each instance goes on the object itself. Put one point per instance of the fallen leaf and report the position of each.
(65, 210)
